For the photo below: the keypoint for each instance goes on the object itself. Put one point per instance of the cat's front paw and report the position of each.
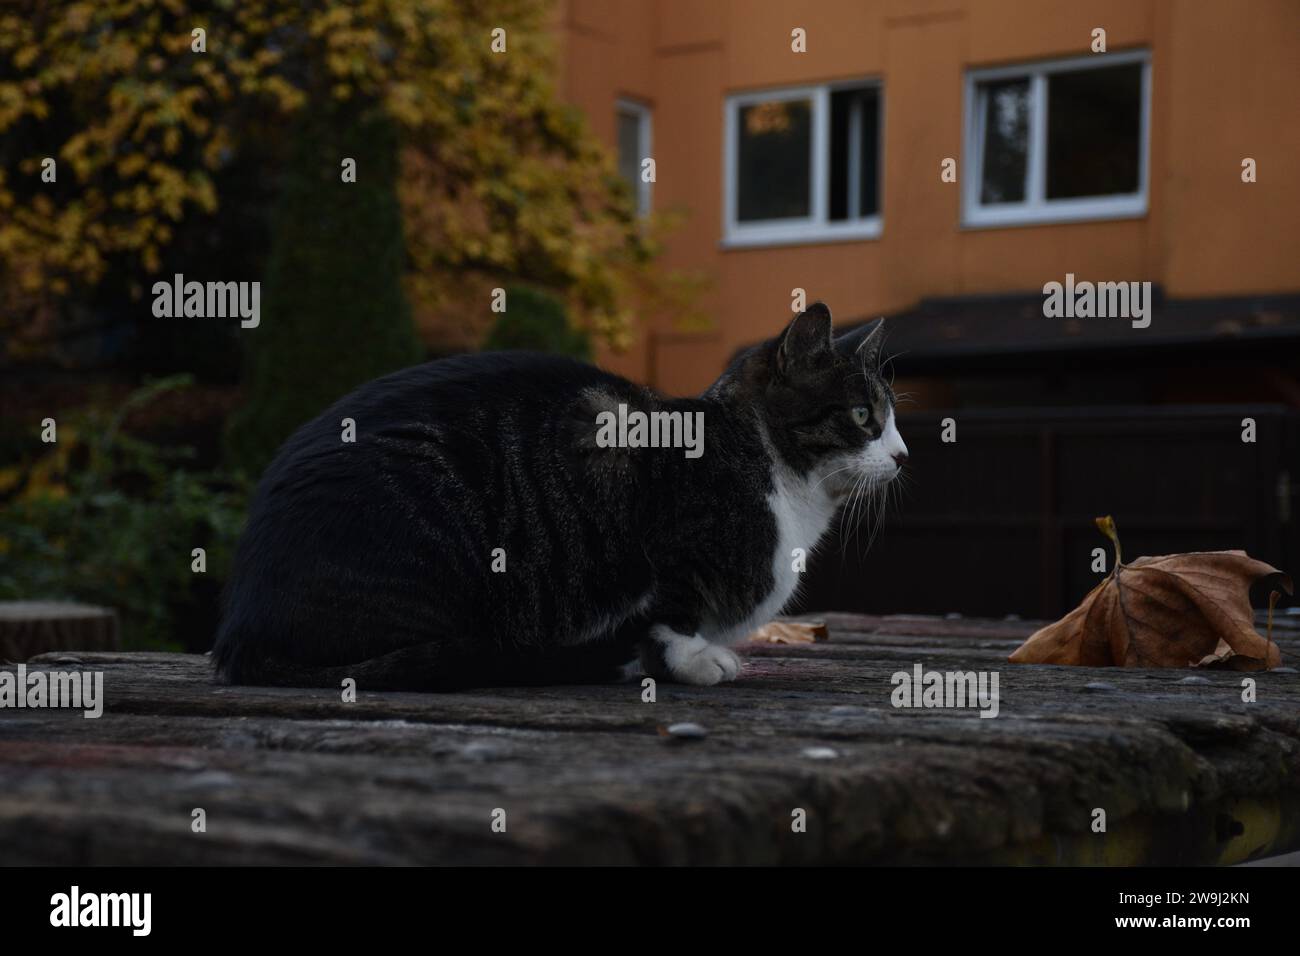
(702, 664)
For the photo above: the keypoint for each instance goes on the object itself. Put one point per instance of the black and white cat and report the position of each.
(477, 532)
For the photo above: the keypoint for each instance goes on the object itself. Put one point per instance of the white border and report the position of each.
(1036, 208)
(645, 147)
(815, 227)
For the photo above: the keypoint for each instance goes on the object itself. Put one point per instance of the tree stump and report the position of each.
(29, 628)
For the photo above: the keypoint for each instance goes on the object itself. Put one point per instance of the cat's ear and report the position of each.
(807, 337)
(863, 343)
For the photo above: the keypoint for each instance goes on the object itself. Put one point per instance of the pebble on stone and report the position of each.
(686, 731)
(1098, 687)
(848, 710)
(820, 753)
(482, 751)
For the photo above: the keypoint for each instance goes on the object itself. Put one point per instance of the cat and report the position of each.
(477, 532)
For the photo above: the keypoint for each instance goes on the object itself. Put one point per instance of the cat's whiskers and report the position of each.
(889, 362)
(879, 491)
(861, 498)
(857, 496)
(894, 493)
(844, 514)
(834, 473)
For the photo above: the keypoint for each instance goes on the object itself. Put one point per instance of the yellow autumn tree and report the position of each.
(144, 105)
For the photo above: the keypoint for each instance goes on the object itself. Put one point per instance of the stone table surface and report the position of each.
(803, 759)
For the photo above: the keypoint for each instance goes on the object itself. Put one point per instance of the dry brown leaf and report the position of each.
(790, 632)
(1175, 610)
(1225, 658)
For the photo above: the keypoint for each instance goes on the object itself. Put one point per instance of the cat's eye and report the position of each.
(861, 415)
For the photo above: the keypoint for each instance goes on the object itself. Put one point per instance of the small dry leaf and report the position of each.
(1177, 610)
(790, 632)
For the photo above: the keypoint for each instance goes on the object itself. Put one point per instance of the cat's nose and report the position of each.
(900, 458)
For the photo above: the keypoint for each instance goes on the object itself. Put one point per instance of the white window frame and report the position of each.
(645, 145)
(816, 227)
(1036, 207)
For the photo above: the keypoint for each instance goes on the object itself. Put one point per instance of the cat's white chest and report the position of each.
(802, 512)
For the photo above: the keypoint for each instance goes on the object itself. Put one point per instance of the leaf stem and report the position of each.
(1107, 527)
(1268, 632)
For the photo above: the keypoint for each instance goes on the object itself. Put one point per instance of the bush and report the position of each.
(537, 322)
(109, 519)
(333, 314)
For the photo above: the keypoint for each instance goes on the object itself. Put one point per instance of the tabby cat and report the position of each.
(484, 529)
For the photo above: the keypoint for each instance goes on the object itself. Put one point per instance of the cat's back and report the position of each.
(381, 518)
(444, 410)
(462, 387)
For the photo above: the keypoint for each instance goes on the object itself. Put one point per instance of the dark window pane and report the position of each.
(629, 150)
(1094, 120)
(774, 162)
(854, 111)
(1006, 140)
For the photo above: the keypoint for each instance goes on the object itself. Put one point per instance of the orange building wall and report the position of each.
(1225, 84)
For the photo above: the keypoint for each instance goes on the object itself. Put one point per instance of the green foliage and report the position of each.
(499, 176)
(538, 322)
(334, 312)
(111, 519)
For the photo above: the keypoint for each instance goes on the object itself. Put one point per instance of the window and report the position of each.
(803, 165)
(1057, 142)
(633, 149)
